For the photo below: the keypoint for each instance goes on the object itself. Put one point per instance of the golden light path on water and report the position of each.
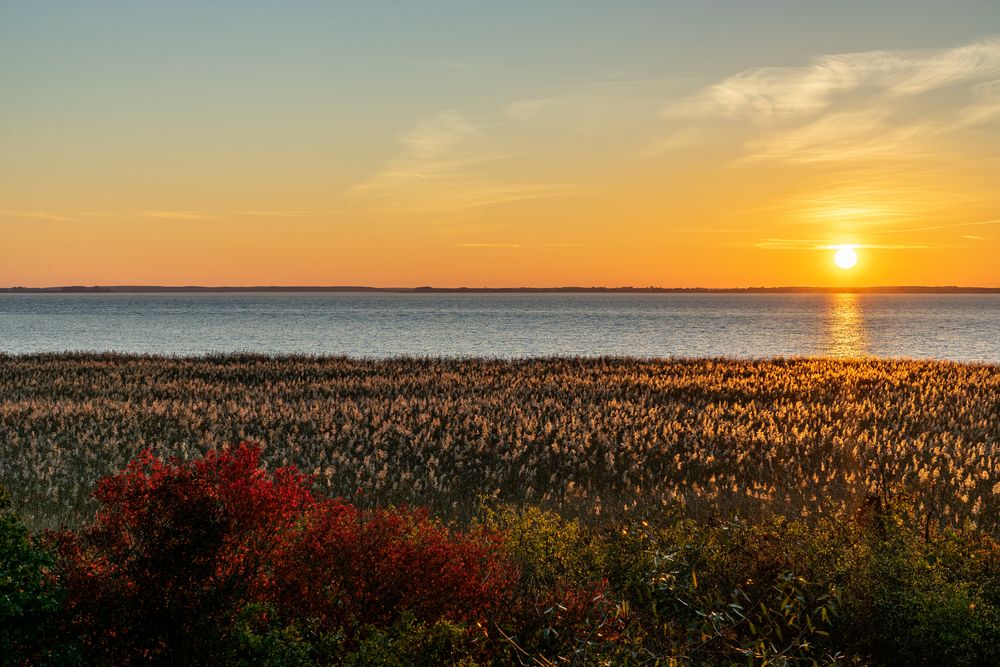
(846, 332)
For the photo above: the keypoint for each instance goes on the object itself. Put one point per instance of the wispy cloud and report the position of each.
(855, 106)
(178, 215)
(50, 216)
(866, 200)
(216, 215)
(488, 245)
(767, 94)
(817, 243)
(814, 244)
(277, 214)
(612, 111)
(443, 171)
(952, 225)
(77, 216)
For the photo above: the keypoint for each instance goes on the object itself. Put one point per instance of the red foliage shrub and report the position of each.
(344, 567)
(173, 550)
(177, 549)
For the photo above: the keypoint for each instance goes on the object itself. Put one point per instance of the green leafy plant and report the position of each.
(924, 601)
(30, 598)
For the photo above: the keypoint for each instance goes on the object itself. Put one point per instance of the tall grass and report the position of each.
(591, 438)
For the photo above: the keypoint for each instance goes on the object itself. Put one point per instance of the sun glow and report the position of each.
(845, 257)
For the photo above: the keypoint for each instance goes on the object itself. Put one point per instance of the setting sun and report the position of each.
(845, 258)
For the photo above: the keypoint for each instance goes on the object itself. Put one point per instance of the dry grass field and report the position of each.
(590, 438)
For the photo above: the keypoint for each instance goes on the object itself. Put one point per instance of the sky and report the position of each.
(712, 143)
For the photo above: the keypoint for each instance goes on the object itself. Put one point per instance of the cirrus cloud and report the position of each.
(443, 172)
(888, 105)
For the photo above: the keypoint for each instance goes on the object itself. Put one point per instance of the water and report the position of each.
(957, 327)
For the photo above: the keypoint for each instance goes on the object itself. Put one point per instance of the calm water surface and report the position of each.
(959, 327)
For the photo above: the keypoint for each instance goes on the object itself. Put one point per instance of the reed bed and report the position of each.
(590, 438)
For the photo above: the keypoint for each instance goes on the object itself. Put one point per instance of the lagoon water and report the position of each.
(956, 327)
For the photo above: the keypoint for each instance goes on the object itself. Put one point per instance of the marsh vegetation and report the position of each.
(547, 511)
(593, 439)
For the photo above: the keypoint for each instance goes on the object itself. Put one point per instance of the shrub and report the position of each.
(565, 607)
(260, 637)
(180, 555)
(29, 598)
(924, 602)
(552, 552)
(572, 624)
(730, 592)
(412, 643)
(343, 567)
(172, 552)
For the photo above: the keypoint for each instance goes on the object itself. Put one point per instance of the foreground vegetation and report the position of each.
(218, 561)
(595, 439)
(542, 512)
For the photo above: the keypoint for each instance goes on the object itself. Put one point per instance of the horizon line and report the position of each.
(135, 289)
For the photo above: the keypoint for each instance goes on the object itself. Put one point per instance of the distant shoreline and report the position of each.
(162, 289)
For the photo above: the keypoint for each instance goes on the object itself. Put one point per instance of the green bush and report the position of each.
(925, 602)
(260, 637)
(564, 609)
(412, 643)
(733, 592)
(869, 588)
(551, 552)
(29, 599)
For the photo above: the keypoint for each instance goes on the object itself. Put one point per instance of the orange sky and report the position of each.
(269, 160)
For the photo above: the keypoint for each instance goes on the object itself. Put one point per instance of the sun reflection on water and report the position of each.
(846, 332)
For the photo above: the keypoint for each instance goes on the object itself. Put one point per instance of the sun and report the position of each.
(845, 257)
